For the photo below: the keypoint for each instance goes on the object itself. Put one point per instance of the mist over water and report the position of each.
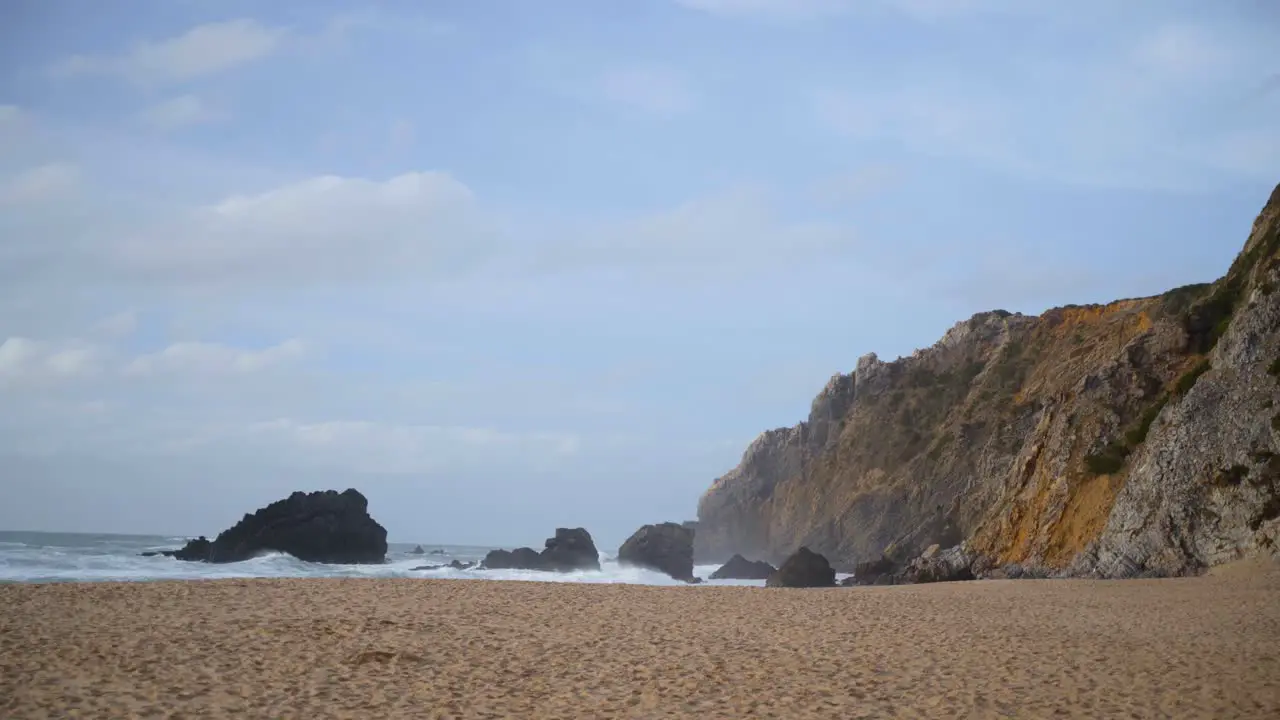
(75, 557)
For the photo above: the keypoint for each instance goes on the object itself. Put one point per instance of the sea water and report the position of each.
(76, 557)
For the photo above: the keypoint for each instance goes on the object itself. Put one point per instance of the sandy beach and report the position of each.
(320, 648)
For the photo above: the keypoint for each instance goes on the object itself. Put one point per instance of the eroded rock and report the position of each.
(804, 569)
(740, 568)
(665, 547)
(1127, 439)
(324, 527)
(570, 549)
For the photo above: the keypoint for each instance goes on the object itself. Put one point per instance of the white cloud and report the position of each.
(363, 446)
(203, 50)
(205, 358)
(655, 90)
(177, 112)
(40, 184)
(328, 227)
(27, 361)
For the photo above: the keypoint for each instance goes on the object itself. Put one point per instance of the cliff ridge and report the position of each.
(1138, 437)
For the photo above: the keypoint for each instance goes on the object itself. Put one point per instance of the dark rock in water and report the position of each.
(740, 568)
(455, 565)
(417, 550)
(199, 549)
(438, 551)
(667, 548)
(874, 572)
(804, 569)
(519, 559)
(570, 549)
(694, 581)
(325, 527)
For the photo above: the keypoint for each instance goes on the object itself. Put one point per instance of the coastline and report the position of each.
(344, 647)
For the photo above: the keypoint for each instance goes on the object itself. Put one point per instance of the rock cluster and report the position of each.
(570, 549)
(455, 565)
(933, 565)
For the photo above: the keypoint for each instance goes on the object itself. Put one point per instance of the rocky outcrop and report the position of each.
(1140, 437)
(324, 527)
(455, 565)
(804, 569)
(417, 550)
(881, 571)
(666, 547)
(740, 568)
(934, 565)
(570, 549)
(524, 558)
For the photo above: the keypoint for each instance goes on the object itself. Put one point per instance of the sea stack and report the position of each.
(666, 547)
(323, 527)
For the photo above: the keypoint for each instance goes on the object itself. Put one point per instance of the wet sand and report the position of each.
(1185, 648)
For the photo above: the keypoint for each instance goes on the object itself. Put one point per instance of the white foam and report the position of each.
(122, 561)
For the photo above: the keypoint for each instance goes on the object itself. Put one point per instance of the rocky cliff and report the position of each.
(1138, 437)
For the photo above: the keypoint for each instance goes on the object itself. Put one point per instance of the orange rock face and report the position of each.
(1038, 440)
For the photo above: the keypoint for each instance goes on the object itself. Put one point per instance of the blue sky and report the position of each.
(510, 265)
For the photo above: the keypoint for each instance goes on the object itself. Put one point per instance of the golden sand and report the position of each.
(318, 648)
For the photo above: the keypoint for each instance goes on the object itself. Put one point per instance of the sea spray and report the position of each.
(72, 557)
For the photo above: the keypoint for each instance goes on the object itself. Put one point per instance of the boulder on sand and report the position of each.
(570, 549)
(951, 565)
(804, 569)
(324, 527)
(932, 565)
(740, 568)
(874, 572)
(666, 547)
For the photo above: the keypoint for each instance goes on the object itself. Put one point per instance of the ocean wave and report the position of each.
(21, 562)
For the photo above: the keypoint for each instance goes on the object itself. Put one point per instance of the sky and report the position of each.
(506, 266)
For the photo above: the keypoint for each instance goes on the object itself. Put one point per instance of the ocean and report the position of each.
(83, 557)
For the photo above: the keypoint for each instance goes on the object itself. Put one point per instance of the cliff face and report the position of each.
(1135, 437)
